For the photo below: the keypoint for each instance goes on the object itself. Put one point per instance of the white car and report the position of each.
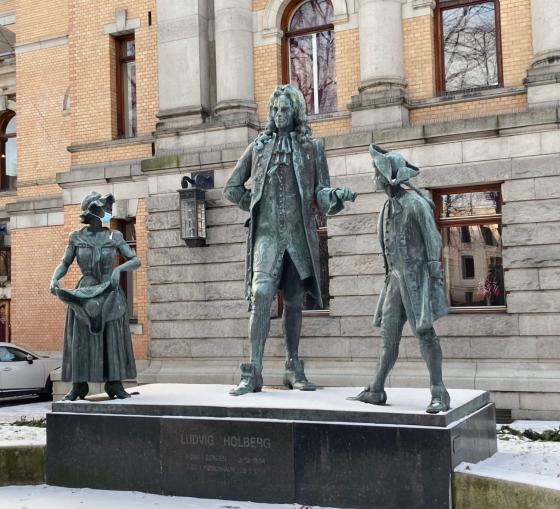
(23, 372)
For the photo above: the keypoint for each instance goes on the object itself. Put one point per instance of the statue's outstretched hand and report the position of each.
(345, 194)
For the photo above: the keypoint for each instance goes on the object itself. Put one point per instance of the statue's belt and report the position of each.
(94, 305)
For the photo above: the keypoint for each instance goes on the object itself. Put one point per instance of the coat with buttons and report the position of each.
(416, 259)
(312, 175)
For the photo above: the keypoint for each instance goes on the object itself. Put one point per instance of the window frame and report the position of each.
(5, 180)
(120, 42)
(442, 5)
(287, 34)
(127, 277)
(469, 221)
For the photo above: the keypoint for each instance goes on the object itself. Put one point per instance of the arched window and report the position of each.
(309, 53)
(8, 153)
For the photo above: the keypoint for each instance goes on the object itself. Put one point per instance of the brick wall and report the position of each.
(37, 317)
(418, 45)
(42, 126)
(479, 107)
(268, 74)
(419, 55)
(347, 66)
(92, 64)
(39, 19)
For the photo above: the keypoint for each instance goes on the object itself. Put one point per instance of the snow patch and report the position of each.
(52, 497)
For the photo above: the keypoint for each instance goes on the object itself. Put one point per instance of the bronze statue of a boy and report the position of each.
(413, 290)
(290, 177)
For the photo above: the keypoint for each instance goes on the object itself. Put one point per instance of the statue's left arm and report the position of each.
(431, 237)
(329, 200)
(132, 261)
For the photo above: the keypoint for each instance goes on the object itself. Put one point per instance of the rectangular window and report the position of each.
(473, 269)
(5, 253)
(465, 234)
(126, 86)
(468, 267)
(468, 43)
(128, 278)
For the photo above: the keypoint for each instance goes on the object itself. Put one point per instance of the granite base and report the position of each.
(276, 446)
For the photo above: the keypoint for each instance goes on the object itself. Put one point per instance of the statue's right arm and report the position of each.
(64, 264)
(235, 190)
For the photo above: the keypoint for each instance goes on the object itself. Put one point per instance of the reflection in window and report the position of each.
(8, 154)
(470, 204)
(465, 234)
(469, 45)
(126, 86)
(311, 46)
(468, 267)
(470, 226)
(128, 278)
(5, 253)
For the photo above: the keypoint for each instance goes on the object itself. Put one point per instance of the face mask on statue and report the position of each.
(105, 218)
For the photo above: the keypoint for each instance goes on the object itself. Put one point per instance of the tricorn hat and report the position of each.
(392, 166)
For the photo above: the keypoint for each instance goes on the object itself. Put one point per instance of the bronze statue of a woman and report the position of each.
(97, 342)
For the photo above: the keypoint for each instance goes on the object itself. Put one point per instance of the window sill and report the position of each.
(8, 192)
(119, 142)
(457, 310)
(465, 96)
(333, 115)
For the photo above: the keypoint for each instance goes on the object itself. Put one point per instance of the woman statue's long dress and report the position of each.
(97, 342)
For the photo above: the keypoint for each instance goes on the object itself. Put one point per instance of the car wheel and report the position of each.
(47, 393)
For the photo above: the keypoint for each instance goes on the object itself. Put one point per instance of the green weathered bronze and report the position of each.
(413, 290)
(97, 342)
(290, 176)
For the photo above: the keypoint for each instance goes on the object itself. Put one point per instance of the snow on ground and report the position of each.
(522, 460)
(51, 497)
(15, 436)
(22, 435)
(11, 412)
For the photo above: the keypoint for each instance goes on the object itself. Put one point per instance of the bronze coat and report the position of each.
(417, 261)
(312, 175)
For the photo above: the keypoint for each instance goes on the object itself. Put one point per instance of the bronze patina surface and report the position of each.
(97, 342)
(290, 177)
(413, 289)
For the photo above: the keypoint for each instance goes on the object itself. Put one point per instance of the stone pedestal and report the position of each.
(543, 76)
(276, 446)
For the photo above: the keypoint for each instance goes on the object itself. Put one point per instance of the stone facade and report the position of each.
(200, 112)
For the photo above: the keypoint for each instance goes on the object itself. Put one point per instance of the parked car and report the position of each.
(23, 372)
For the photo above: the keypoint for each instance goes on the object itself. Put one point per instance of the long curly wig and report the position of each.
(302, 130)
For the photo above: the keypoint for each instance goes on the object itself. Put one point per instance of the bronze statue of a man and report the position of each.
(290, 177)
(413, 290)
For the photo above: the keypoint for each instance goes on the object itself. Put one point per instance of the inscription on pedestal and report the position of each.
(233, 460)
